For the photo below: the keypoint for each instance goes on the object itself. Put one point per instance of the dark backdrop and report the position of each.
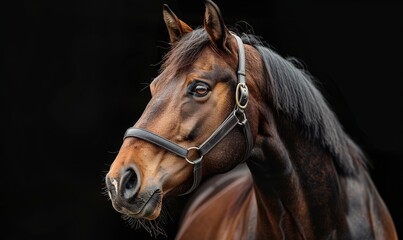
(74, 76)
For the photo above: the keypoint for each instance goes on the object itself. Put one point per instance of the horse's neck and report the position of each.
(294, 177)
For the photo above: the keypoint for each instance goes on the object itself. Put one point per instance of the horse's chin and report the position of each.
(151, 211)
(148, 206)
(148, 213)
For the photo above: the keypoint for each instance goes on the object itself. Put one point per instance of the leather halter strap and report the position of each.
(236, 117)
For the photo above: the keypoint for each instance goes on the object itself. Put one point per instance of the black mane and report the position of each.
(294, 94)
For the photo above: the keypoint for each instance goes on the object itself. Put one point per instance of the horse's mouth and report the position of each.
(142, 207)
(151, 208)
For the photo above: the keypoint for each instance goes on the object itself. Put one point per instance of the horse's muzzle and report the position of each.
(126, 198)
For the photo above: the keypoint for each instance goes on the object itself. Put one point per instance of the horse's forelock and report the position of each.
(185, 52)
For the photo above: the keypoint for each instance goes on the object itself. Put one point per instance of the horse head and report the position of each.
(195, 119)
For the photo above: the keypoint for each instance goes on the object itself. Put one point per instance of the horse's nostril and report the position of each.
(129, 183)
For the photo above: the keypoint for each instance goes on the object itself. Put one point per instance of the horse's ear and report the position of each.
(215, 26)
(176, 28)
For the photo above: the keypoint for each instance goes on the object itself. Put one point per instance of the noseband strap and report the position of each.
(157, 140)
(235, 118)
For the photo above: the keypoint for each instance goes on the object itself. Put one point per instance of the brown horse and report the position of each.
(221, 101)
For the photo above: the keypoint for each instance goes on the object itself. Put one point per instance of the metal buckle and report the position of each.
(240, 115)
(195, 161)
(242, 96)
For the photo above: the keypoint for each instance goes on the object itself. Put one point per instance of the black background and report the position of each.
(74, 76)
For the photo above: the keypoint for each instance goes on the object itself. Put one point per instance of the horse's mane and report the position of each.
(293, 94)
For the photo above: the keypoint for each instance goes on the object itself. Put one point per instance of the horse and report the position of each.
(225, 101)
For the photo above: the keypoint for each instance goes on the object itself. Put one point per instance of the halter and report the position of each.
(236, 118)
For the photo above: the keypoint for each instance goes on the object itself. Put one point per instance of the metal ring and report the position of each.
(243, 102)
(197, 160)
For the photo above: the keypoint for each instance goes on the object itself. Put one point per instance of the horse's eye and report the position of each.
(199, 89)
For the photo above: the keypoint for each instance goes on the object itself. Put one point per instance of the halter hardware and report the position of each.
(236, 118)
(197, 160)
(242, 96)
(240, 115)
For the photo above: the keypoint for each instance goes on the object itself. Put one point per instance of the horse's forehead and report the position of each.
(209, 65)
(209, 58)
